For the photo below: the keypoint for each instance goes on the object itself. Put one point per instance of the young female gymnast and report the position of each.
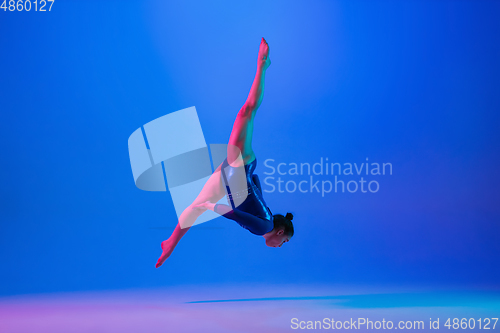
(251, 211)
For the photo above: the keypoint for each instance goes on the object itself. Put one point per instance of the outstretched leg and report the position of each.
(241, 135)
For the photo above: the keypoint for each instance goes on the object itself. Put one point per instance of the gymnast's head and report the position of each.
(282, 231)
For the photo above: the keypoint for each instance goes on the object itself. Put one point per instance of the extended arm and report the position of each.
(254, 224)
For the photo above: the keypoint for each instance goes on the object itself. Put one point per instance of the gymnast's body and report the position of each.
(235, 179)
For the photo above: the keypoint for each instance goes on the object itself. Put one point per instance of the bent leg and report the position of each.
(242, 132)
(212, 191)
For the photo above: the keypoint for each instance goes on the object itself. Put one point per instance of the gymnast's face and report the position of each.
(278, 239)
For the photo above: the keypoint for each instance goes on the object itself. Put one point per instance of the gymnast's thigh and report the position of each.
(213, 190)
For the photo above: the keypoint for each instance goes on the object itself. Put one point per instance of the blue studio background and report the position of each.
(411, 83)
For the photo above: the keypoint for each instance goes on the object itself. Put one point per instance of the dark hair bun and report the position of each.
(289, 216)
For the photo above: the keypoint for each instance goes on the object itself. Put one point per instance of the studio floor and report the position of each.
(252, 308)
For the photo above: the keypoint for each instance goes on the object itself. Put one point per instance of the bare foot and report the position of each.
(167, 248)
(264, 59)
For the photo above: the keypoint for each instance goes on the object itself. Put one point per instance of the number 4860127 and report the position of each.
(27, 5)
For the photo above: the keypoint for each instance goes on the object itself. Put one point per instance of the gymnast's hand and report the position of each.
(204, 206)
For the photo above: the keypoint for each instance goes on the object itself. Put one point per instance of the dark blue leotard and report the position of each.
(253, 213)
